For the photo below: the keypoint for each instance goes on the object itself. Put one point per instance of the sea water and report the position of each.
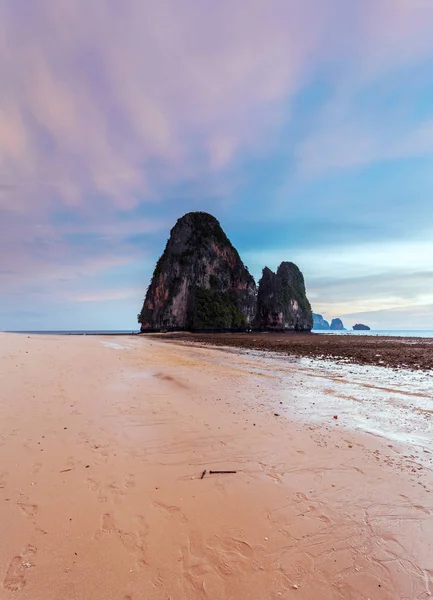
(422, 333)
(79, 332)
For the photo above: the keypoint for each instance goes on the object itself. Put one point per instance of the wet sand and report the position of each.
(386, 351)
(103, 442)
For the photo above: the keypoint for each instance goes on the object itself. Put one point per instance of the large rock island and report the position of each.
(201, 284)
(282, 303)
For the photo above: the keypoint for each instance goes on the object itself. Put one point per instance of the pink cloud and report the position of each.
(96, 93)
(107, 295)
(92, 93)
(33, 252)
(101, 102)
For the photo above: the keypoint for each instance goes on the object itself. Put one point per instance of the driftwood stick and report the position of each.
(220, 472)
(203, 474)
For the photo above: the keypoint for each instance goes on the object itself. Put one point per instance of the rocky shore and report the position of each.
(394, 352)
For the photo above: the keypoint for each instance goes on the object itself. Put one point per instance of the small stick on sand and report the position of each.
(203, 474)
(220, 472)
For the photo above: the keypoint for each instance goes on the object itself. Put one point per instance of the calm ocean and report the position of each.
(420, 333)
(80, 332)
(423, 333)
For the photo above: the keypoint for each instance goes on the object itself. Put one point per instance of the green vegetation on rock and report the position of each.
(204, 227)
(217, 310)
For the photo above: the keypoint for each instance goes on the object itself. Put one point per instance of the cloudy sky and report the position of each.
(305, 127)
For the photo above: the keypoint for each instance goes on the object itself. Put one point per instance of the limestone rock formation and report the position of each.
(361, 327)
(319, 323)
(200, 282)
(337, 325)
(282, 303)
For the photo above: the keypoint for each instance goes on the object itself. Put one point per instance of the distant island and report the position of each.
(361, 327)
(320, 324)
(201, 284)
(337, 325)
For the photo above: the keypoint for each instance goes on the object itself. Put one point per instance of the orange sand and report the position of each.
(102, 444)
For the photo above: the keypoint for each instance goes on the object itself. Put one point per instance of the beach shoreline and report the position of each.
(104, 442)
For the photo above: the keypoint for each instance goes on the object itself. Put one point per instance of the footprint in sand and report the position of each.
(113, 488)
(107, 526)
(130, 481)
(134, 542)
(30, 510)
(14, 580)
(139, 540)
(235, 546)
(107, 523)
(171, 510)
(95, 486)
(159, 579)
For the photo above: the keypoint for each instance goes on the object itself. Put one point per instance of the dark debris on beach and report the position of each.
(392, 352)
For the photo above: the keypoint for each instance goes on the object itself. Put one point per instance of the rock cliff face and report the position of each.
(337, 325)
(282, 302)
(200, 282)
(319, 323)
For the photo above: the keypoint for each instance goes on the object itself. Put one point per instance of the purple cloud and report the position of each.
(103, 103)
(92, 94)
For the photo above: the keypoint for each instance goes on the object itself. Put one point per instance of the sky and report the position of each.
(306, 128)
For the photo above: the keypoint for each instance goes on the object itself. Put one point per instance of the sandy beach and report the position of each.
(104, 440)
